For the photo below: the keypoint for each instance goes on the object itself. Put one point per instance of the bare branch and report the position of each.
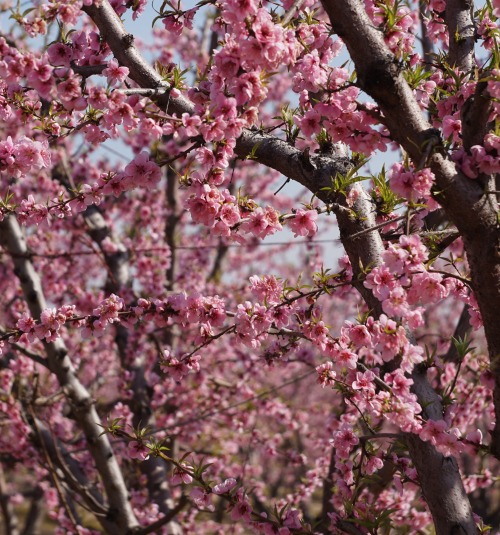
(171, 224)
(292, 11)
(87, 70)
(462, 329)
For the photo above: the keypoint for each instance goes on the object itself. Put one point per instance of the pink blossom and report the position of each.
(191, 124)
(142, 171)
(267, 288)
(181, 475)
(381, 281)
(364, 381)
(326, 374)
(344, 440)
(304, 223)
(60, 54)
(359, 335)
(373, 465)
(310, 123)
(229, 214)
(317, 332)
(114, 73)
(224, 487)
(262, 223)
(173, 24)
(452, 128)
(242, 510)
(201, 499)
(433, 431)
(138, 450)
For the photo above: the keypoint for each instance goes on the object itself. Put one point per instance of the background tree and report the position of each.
(166, 367)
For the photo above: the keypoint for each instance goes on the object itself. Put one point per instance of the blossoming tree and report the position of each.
(166, 368)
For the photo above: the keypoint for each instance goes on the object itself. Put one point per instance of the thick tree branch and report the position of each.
(461, 30)
(121, 516)
(474, 214)
(378, 74)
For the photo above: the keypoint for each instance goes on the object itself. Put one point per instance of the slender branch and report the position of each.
(35, 357)
(327, 506)
(35, 513)
(172, 220)
(219, 257)
(53, 473)
(427, 46)
(377, 227)
(87, 70)
(292, 11)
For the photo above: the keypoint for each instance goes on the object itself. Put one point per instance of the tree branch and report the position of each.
(459, 19)
(121, 516)
(427, 47)
(379, 76)
(475, 115)
(462, 330)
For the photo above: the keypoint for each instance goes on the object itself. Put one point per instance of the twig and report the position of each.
(291, 12)
(376, 227)
(145, 92)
